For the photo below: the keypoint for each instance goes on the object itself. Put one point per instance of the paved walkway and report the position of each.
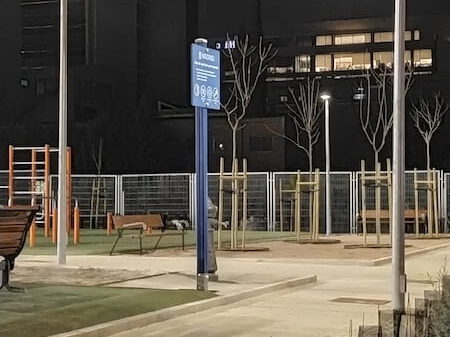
(304, 311)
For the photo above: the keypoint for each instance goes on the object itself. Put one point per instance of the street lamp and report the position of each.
(326, 98)
(62, 179)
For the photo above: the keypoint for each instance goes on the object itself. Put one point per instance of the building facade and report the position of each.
(129, 77)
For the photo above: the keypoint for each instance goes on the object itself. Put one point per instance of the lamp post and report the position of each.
(398, 176)
(62, 195)
(326, 98)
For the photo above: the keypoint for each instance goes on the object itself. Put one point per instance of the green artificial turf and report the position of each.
(96, 242)
(46, 310)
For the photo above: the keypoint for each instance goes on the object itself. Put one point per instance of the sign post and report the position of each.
(205, 94)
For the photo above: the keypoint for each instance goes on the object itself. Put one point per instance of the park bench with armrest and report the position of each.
(14, 225)
(150, 225)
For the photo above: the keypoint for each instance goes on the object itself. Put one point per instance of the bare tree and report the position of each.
(427, 116)
(376, 113)
(248, 63)
(304, 113)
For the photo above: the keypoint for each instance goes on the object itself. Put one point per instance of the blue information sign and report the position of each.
(205, 74)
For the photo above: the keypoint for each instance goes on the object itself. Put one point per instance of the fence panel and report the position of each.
(258, 203)
(409, 192)
(157, 193)
(86, 192)
(4, 188)
(446, 195)
(341, 196)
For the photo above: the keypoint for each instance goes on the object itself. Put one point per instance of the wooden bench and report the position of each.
(410, 217)
(150, 225)
(14, 225)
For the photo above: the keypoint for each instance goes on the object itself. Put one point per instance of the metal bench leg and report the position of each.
(15, 289)
(5, 267)
(4, 273)
(140, 241)
(182, 239)
(157, 243)
(119, 235)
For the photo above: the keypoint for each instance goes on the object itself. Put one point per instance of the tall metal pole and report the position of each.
(327, 151)
(326, 99)
(398, 183)
(201, 168)
(62, 209)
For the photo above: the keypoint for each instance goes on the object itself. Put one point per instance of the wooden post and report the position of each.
(435, 203)
(244, 201)
(363, 200)
(220, 210)
(11, 177)
(47, 196)
(76, 224)
(311, 197)
(389, 188)
(281, 205)
(69, 190)
(316, 188)
(109, 224)
(236, 204)
(378, 202)
(291, 213)
(416, 202)
(429, 204)
(298, 196)
(33, 197)
(54, 225)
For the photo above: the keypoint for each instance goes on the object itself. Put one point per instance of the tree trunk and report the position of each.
(234, 148)
(428, 155)
(310, 156)
(376, 159)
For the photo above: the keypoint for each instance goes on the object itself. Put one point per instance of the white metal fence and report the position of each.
(174, 195)
(341, 201)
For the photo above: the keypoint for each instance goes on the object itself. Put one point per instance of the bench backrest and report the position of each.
(384, 214)
(153, 221)
(14, 225)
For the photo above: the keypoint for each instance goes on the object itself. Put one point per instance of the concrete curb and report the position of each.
(139, 321)
(386, 260)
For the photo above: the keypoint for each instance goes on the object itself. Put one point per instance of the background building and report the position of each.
(129, 76)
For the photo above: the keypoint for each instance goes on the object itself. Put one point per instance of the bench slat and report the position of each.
(8, 251)
(151, 220)
(8, 221)
(9, 244)
(11, 236)
(12, 228)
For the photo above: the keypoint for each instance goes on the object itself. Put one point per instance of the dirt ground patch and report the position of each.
(75, 276)
(287, 250)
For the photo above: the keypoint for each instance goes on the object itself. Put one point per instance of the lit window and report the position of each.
(383, 37)
(324, 40)
(351, 61)
(423, 58)
(408, 35)
(280, 70)
(283, 98)
(408, 58)
(323, 63)
(389, 37)
(417, 35)
(352, 38)
(386, 59)
(303, 64)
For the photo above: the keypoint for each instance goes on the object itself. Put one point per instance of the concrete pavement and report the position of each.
(303, 311)
(306, 311)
